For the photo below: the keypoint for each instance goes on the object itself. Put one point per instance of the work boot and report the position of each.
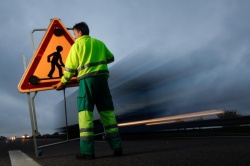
(85, 156)
(118, 152)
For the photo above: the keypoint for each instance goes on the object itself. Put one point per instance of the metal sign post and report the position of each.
(66, 116)
(34, 127)
(32, 113)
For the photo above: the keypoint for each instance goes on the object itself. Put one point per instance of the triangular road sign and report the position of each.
(47, 64)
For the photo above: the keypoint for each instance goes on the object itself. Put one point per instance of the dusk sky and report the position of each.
(200, 48)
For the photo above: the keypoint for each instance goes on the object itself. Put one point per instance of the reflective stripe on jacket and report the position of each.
(88, 57)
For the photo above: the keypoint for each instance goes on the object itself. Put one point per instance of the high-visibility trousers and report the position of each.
(95, 91)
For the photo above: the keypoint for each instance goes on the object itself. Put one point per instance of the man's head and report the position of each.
(80, 29)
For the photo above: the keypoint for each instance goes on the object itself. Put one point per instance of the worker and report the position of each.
(88, 57)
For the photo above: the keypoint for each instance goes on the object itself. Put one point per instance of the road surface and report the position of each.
(196, 151)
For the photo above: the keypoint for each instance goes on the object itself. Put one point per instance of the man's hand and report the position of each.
(59, 86)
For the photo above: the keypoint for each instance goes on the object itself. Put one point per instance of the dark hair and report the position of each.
(83, 27)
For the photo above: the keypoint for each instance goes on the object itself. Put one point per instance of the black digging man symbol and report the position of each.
(56, 58)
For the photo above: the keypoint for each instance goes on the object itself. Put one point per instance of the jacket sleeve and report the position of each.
(71, 65)
(109, 56)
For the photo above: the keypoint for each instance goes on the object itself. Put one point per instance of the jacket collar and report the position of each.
(82, 37)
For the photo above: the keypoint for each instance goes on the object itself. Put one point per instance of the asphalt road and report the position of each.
(199, 151)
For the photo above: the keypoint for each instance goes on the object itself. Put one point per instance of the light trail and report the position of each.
(164, 122)
(172, 118)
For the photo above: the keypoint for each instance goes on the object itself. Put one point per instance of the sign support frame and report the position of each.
(34, 126)
(32, 110)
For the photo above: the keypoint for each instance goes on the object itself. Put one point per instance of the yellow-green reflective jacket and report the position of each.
(88, 57)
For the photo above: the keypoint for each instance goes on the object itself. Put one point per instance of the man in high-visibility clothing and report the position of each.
(89, 58)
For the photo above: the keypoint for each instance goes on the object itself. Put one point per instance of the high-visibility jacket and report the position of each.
(88, 57)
